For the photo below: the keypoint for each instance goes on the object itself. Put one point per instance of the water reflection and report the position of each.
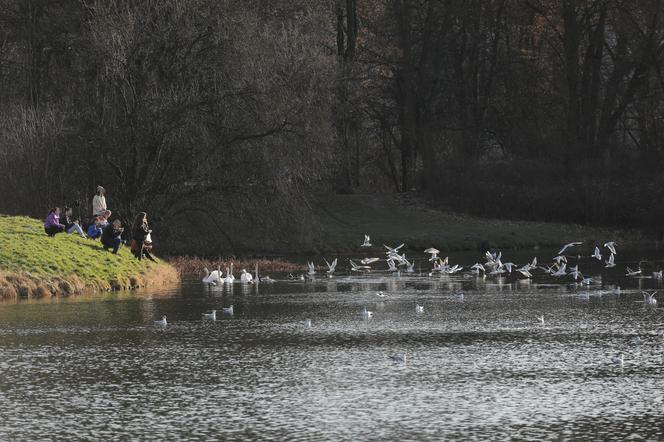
(479, 364)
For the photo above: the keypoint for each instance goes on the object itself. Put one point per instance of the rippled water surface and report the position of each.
(479, 366)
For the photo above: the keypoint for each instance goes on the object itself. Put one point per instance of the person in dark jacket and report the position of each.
(141, 243)
(71, 225)
(52, 224)
(111, 237)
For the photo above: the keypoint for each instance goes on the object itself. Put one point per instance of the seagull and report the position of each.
(525, 271)
(611, 262)
(331, 267)
(419, 308)
(477, 268)
(587, 281)
(391, 266)
(162, 322)
(227, 310)
(381, 295)
(398, 357)
(618, 359)
(366, 313)
(355, 268)
(560, 271)
(393, 250)
(636, 340)
(657, 275)
(611, 246)
(631, 272)
(367, 241)
(212, 278)
(434, 253)
(307, 323)
(567, 246)
(540, 318)
(560, 259)
(312, 268)
(574, 272)
(211, 316)
(649, 298)
(246, 277)
(597, 255)
(367, 261)
(410, 266)
(615, 290)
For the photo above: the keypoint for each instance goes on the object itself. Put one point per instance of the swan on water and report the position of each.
(211, 316)
(212, 278)
(161, 322)
(246, 277)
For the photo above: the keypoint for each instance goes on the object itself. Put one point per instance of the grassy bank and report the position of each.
(34, 265)
(393, 219)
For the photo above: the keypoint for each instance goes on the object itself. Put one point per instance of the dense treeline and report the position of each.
(221, 117)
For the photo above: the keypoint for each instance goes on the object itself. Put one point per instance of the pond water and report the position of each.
(478, 366)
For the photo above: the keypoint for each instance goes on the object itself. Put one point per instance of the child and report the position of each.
(111, 237)
(141, 241)
(52, 224)
(95, 229)
(72, 225)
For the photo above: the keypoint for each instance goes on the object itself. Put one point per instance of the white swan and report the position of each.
(227, 310)
(229, 276)
(161, 322)
(211, 316)
(246, 277)
(212, 278)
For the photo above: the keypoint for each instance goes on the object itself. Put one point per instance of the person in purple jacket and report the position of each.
(52, 224)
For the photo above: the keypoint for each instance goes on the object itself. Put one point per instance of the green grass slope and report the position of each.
(393, 219)
(32, 264)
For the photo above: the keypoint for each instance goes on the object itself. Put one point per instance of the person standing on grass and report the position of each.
(141, 242)
(52, 224)
(99, 203)
(72, 225)
(111, 237)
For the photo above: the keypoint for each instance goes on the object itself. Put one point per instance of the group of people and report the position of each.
(110, 233)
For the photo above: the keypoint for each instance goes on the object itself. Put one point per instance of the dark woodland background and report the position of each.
(217, 115)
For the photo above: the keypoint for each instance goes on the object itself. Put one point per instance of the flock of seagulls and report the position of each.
(397, 262)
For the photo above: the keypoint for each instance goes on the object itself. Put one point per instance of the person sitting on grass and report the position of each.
(95, 230)
(52, 224)
(111, 237)
(72, 225)
(141, 241)
(99, 202)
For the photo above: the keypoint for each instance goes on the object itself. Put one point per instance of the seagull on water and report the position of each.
(649, 298)
(618, 359)
(657, 275)
(227, 310)
(211, 316)
(366, 313)
(307, 323)
(419, 308)
(161, 322)
(381, 295)
(398, 357)
(540, 318)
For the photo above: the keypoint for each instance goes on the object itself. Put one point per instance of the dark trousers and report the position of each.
(51, 231)
(113, 244)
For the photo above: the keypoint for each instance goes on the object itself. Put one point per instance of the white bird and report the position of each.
(366, 313)
(227, 310)
(410, 266)
(615, 290)
(560, 259)
(561, 271)
(307, 323)
(631, 272)
(161, 322)
(587, 281)
(393, 250)
(525, 271)
(433, 252)
(391, 266)
(229, 279)
(419, 308)
(477, 268)
(367, 261)
(312, 268)
(355, 268)
(367, 241)
(567, 246)
(657, 275)
(213, 277)
(636, 340)
(540, 318)
(597, 255)
(331, 267)
(398, 357)
(649, 298)
(611, 262)
(611, 246)
(618, 359)
(246, 277)
(574, 273)
(211, 316)
(381, 295)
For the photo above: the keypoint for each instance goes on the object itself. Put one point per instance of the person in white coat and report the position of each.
(99, 202)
